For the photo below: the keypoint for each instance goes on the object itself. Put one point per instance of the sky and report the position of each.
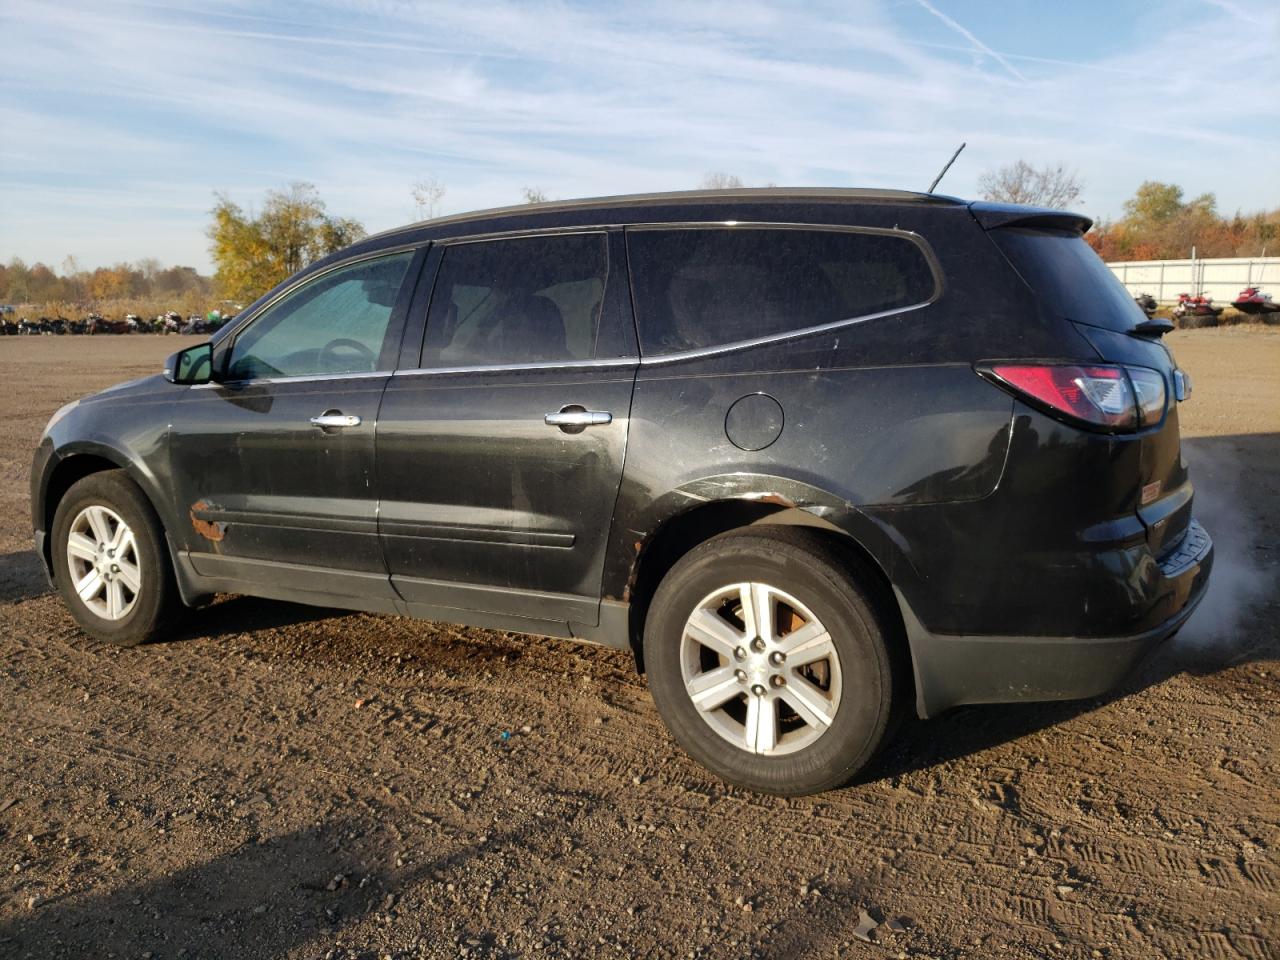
(120, 121)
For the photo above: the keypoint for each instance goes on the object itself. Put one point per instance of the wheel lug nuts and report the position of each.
(757, 645)
(778, 680)
(758, 689)
(739, 653)
(777, 658)
(741, 675)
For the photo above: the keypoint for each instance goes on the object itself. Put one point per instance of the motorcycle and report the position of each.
(1148, 303)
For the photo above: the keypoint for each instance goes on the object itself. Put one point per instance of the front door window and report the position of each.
(334, 324)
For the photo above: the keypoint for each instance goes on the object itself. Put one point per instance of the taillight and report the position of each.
(1112, 398)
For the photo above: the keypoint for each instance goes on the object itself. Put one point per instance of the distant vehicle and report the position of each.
(1253, 301)
(1148, 303)
(882, 449)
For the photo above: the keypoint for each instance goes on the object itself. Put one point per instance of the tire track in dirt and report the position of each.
(233, 771)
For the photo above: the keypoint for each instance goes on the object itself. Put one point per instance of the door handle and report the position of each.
(577, 416)
(327, 420)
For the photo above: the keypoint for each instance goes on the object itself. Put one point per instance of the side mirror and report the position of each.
(192, 365)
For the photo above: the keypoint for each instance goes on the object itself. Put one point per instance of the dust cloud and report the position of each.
(1242, 578)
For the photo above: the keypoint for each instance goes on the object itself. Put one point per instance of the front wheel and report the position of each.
(768, 663)
(109, 560)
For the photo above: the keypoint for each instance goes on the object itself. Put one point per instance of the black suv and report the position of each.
(807, 453)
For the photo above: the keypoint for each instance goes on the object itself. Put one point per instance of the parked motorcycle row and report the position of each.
(171, 322)
(1200, 310)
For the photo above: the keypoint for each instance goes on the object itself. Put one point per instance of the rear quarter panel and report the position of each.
(884, 419)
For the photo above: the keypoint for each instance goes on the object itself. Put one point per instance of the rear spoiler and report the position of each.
(993, 215)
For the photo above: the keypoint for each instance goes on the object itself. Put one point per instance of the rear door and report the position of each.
(499, 455)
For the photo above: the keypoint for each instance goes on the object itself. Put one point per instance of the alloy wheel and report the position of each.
(760, 668)
(102, 556)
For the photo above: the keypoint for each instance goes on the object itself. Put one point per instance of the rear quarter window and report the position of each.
(1068, 277)
(704, 287)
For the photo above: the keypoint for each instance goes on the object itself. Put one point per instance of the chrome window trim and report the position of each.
(304, 378)
(920, 242)
(666, 358)
(935, 270)
(612, 362)
(531, 234)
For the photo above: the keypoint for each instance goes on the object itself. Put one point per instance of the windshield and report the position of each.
(1069, 277)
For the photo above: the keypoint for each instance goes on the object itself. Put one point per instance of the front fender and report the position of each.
(140, 451)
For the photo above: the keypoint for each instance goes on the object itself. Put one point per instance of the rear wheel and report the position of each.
(768, 663)
(109, 560)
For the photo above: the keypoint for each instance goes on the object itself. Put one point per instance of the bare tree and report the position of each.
(719, 180)
(427, 194)
(1056, 187)
(535, 195)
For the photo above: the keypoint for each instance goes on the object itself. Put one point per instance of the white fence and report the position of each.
(1220, 279)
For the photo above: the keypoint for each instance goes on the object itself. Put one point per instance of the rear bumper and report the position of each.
(954, 670)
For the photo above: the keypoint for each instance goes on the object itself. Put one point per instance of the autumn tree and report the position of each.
(115, 283)
(13, 281)
(1153, 203)
(1159, 224)
(1055, 187)
(253, 254)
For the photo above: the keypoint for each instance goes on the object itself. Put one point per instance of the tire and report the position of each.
(93, 507)
(811, 579)
(1195, 321)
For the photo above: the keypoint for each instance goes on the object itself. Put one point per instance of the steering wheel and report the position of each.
(330, 360)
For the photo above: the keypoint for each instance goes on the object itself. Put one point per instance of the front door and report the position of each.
(500, 456)
(274, 464)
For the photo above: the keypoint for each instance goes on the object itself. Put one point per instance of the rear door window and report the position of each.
(519, 300)
(705, 287)
(1069, 277)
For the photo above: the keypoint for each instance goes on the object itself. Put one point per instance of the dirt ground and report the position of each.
(283, 781)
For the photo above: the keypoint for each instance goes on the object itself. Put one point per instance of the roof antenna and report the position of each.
(943, 173)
